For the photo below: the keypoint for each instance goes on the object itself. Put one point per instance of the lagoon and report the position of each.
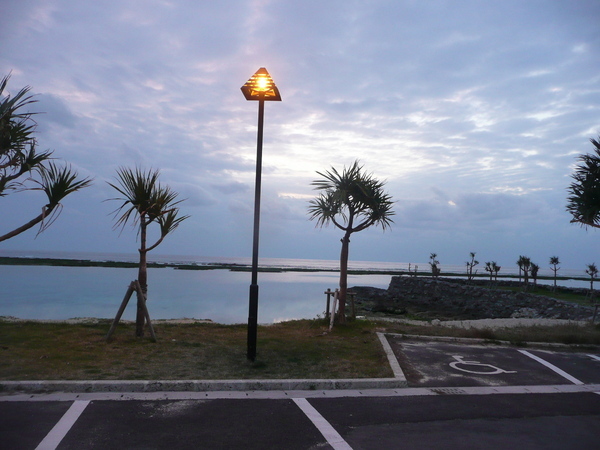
(59, 293)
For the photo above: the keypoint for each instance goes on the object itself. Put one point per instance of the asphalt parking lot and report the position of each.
(460, 395)
(434, 363)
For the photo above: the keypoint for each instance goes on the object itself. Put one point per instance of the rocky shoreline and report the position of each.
(455, 299)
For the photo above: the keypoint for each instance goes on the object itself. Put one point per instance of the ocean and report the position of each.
(59, 293)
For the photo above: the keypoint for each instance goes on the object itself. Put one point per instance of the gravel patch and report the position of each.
(490, 323)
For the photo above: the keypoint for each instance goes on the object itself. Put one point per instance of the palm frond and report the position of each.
(144, 201)
(583, 201)
(58, 182)
(352, 200)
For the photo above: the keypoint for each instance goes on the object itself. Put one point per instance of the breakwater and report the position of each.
(439, 298)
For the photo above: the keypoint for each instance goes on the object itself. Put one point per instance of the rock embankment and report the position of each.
(436, 298)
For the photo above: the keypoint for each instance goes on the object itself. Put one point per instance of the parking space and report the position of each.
(547, 421)
(583, 366)
(451, 364)
(161, 424)
(25, 424)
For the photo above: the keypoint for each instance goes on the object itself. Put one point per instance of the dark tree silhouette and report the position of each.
(23, 168)
(433, 263)
(592, 271)
(583, 201)
(145, 202)
(471, 265)
(353, 201)
(554, 262)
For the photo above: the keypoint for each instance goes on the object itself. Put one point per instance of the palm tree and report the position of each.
(489, 268)
(554, 262)
(583, 201)
(592, 271)
(19, 159)
(470, 265)
(520, 262)
(534, 272)
(496, 268)
(145, 201)
(433, 262)
(525, 266)
(353, 201)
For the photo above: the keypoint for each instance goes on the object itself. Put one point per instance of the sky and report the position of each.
(472, 111)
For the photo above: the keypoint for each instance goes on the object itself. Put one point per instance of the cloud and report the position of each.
(473, 112)
(55, 111)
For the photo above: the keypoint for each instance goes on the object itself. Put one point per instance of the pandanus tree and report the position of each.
(352, 200)
(520, 263)
(144, 202)
(583, 201)
(23, 167)
(592, 271)
(433, 263)
(526, 267)
(471, 265)
(489, 268)
(534, 272)
(554, 262)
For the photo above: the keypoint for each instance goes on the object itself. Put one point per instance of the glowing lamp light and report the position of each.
(261, 86)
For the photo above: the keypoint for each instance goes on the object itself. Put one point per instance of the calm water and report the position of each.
(48, 292)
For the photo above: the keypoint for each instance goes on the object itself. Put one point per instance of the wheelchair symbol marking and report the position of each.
(495, 371)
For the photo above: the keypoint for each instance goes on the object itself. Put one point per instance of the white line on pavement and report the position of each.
(597, 358)
(398, 373)
(561, 372)
(63, 426)
(333, 437)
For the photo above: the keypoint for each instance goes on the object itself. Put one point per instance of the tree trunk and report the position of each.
(344, 277)
(45, 212)
(143, 280)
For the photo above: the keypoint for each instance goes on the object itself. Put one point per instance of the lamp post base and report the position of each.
(252, 322)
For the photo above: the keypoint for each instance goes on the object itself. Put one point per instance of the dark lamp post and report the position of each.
(259, 87)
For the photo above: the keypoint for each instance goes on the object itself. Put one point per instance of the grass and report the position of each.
(297, 349)
(559, 294)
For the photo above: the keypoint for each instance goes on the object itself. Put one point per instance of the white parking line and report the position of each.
(63, 426)
(561, 372)
(597, 358)
(392, 360)
(333, 437)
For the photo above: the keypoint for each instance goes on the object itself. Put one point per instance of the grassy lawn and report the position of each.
(205, 351)
(298, 349)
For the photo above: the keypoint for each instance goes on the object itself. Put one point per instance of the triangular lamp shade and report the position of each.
(261, 86)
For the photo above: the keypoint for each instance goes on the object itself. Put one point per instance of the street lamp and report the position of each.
(259, 87)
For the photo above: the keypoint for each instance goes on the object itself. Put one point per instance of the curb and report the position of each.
(46, 386)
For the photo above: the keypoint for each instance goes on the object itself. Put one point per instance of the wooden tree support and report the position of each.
(331, 293)
(335, 304)
(134, 286)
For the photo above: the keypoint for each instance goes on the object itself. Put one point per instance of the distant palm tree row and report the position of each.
(527, 269)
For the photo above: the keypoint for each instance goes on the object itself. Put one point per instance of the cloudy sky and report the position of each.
(473, 111)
